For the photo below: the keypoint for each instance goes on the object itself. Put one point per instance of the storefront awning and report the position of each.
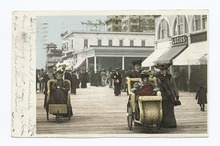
(170, 54)
(149, 61)
(81, 62)
(195, 54)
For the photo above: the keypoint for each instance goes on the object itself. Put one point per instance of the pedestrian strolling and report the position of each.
(201, 97)
(117, 82)
(169, 93)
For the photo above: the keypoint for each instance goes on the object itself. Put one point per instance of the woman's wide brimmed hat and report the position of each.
(64, 63)
(163, 65)
(146, 73)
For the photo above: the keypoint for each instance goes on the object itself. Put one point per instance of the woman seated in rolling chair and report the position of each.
(59, 90)
(143, 88)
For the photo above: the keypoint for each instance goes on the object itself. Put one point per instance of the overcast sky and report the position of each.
(49, 29)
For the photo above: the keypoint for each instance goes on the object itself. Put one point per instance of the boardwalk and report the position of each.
(98, 112)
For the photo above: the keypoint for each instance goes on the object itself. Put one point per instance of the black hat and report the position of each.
(163, 65)
(134, 62)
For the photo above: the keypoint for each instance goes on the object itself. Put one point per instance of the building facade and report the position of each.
(182, 41)
(53, 54)
(130, 23)
(95, 50)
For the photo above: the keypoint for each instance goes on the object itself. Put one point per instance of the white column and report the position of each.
(87, 64)
(189, 72)
(95, 64)
(123, 63)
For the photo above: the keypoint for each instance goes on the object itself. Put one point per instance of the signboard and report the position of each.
(198, 37)
(180, 40)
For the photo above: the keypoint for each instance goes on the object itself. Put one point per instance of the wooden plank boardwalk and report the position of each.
(97, 112)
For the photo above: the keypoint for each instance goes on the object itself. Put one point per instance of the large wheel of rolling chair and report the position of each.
(129, 117)
(57, 117)
(69, 112)
(47, 116)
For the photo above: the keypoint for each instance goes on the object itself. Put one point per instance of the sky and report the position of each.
(49, 29)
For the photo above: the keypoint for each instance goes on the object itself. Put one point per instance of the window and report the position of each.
(85, 43)
(143, 43)
(180, 26)
(109, 42)
(120, 42)
(199, 22)
(163, 30)
(204, 21)
(99, 42)
(131, 42)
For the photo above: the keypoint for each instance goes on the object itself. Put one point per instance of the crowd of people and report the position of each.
(169, 85)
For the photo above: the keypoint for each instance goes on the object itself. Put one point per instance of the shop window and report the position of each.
(204, 21)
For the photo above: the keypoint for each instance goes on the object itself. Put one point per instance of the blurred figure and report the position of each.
(201, 97)
(84, 79)
(117, 82)
(103, 77)
(176, 78)
(48, 76)
(183, 80)
(74, 82)
(137, 69)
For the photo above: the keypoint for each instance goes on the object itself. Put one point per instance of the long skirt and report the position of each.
(169, 119)
(117, 90)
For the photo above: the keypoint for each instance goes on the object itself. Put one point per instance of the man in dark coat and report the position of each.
(48, 76)
(137, 69)
(117, 82)
(84, 79)
(74, 82)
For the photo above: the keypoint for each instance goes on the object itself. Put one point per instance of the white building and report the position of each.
(182, 41)
(95, 50)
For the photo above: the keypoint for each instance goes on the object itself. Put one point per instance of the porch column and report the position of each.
(123, 63)
(189, 72)
(95, 64)
(87, 64)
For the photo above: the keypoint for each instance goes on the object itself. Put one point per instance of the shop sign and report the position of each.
(180, 40)
(198, 37)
